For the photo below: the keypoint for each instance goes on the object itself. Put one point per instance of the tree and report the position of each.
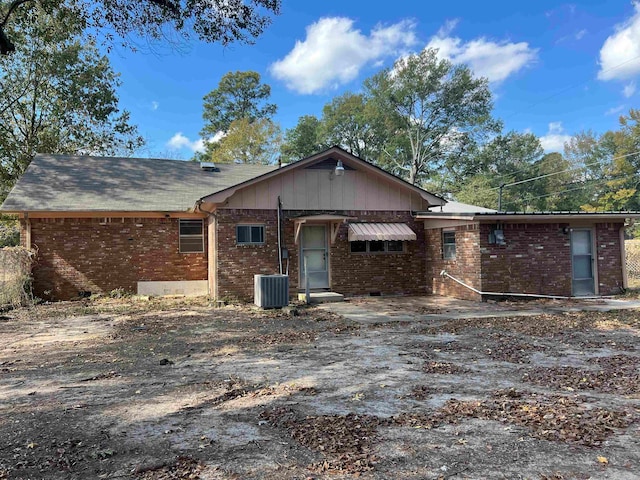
(433, 111)
(505, 159)
(555, 191)
(351, 122)
(223, 21)
(609, 164)
(303, 140)
(239, 95)
(248, 141)
(57, 95)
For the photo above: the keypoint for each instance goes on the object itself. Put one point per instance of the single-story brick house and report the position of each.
(173, 227)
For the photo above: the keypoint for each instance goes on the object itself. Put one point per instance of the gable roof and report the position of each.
(335, 151)
(71, 183)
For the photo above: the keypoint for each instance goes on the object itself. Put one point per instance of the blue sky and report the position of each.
(555, 69)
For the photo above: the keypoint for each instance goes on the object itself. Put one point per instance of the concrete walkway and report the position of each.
(402, 309)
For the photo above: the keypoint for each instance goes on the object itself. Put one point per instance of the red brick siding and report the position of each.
(351, 274)
(237, 264)
(465, 267)
(536, 259)
(387, 273)
(83, 255)
(609, 258)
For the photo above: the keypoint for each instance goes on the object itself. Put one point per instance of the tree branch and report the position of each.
(6, 46)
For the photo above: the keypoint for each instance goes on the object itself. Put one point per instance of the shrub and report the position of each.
(15, 276)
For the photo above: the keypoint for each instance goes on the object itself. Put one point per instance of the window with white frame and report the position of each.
(377, 246)
(250, 234)
(191, 236)
(449, 244)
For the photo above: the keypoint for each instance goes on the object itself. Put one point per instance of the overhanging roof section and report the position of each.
(72, 183)
(529, 217)
(359, 232)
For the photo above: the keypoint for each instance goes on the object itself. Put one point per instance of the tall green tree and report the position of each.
(223, 21)
(57, 95)
(239, 95)
(351, 122)
(432, 109)
(303, 140)
(246, 141)
(505, 159)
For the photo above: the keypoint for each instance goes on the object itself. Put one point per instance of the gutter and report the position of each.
(444, 273)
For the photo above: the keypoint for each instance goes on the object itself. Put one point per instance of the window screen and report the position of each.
(249, 234)
(191, 236)
(449, 245)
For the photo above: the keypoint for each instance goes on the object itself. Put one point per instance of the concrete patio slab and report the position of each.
(372, 310)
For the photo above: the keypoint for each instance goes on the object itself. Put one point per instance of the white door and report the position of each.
(582, 261)
(313, 252)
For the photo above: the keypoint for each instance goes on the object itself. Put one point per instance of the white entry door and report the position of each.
(314, 251)
(582, 261)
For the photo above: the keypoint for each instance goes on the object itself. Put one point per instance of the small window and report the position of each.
(250, 234)
(191, 236)
(377, 246)
(449, 245)
(358, 247)
(395, 246)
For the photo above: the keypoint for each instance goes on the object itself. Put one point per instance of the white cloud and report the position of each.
(494, 60)
(580, 34)
(555, 138)
(614, 110)
(179, 141)
(629, 89)
(154, 105)
(334, 53)
(620, 53)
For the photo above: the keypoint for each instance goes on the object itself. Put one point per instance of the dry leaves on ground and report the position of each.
(346, 441)
(444, 368)
(554, 418)
(548, 417)
(623, 379)
(183, 468)
(544, 325)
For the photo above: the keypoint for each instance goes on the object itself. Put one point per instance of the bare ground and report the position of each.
(181, 390)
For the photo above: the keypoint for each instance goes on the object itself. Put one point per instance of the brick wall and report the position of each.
(536, 259)
(351, 274)
(237, 264)
(609, 258)
(83, 255)
(465, 267)
(387, 273)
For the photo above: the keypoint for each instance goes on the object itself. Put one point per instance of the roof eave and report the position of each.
(527, 216)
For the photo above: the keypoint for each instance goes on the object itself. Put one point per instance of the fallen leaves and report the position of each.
(620, 379)
(443, 368)
(346, 441)
(183, 468)
(555, 418)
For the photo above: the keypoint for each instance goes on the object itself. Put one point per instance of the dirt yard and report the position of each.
(181, 390)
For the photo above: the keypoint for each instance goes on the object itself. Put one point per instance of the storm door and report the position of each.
(582, 261)
(314, 251)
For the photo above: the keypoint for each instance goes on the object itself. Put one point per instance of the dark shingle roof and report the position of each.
(78, 183)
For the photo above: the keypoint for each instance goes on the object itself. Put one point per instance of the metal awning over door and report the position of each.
(359, 232)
